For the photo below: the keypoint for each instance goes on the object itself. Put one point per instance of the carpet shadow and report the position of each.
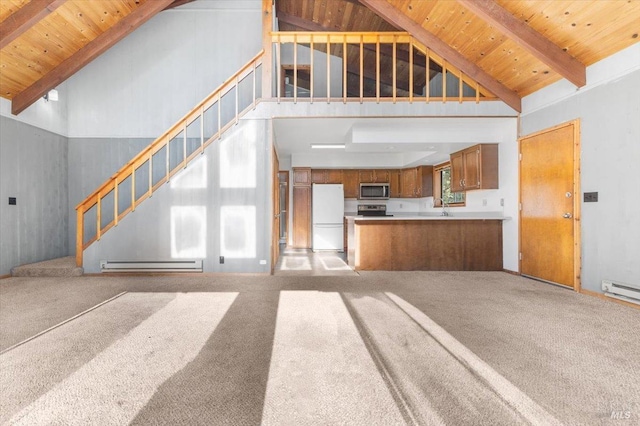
(226, 383)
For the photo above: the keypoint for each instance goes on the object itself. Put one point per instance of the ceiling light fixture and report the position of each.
(51, 95)
(327, 146)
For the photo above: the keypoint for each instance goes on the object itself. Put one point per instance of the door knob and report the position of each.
(567, 215)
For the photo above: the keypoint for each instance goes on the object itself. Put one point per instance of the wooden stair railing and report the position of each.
(179, 149)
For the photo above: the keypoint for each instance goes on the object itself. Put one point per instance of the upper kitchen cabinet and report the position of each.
(475, 168)
(395, 183)
(302, 176)
(374, 176)
(351, 183)
(326, 176)
(417, 182)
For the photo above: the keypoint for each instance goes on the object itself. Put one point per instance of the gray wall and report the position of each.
(217, 206)
(610, 155)
(33, 168)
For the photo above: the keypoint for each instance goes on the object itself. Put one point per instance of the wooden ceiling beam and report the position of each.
(385, 49)
(531, 40)
(87, 53)
(177, 3)
(396, 17)
(24, 18)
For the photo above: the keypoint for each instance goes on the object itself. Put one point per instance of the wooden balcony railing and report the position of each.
(388, 66)
(167, 155)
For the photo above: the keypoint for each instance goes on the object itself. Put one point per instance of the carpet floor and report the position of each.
(458, 348)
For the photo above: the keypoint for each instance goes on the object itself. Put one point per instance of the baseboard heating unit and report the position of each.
(622, 291)
(183, 265)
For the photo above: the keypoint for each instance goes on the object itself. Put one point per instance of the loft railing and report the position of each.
(368, 66)
(167, 155)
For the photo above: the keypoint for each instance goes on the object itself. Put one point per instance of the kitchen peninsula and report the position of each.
(464, 242)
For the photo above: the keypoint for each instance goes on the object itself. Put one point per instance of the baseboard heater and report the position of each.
(622, 291)
(183, 265)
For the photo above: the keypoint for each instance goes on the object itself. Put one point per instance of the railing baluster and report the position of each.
(202, 120)
(184, 146)
(219, 116)
(115, 202)
(311, 70)
(411, 72)
(427, 76)
(378, 68)
(253, 100)
(444, 81)
(133, 189)
(295, 69)
(79, 235)
(279, 70)
(168, 163)
(98, 217)
(344, 69)
(328, 69)
(361, 68)
(394, 63)
(237, 97)
(150, 174)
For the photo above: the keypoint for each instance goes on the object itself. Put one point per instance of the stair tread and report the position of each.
(61, 267)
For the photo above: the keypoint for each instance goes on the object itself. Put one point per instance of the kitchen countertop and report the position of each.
(430, 216)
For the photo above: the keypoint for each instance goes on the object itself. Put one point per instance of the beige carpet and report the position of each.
(382, 348)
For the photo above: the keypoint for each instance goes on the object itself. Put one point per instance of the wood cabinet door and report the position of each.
(395, 183)
(381, 176)
(301, 176)
(333, 176)
(457, 171)
(409, 182)
(351, 183)
(366, 176)
(301, 217)
(425, 181)
(318, 176)
(471, 179)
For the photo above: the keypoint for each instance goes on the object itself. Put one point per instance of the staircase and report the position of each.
(62, 267)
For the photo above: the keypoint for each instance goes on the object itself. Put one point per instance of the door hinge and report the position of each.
(520, 156)
(520, 206)
(520, 256)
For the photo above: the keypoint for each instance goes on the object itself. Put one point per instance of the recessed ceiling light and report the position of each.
(327, 146)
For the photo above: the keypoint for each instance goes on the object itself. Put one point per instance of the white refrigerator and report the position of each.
(327, 217)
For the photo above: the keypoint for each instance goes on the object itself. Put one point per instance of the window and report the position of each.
(442, 187)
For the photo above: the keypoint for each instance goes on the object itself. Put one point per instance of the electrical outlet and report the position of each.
(590, 197)
(221, 259)
(263, 262)
(13, 201)
(400, 205)
(501, 202)
(484, 201)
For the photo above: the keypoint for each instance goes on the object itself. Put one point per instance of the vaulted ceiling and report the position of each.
(512, 47)
(517, 47)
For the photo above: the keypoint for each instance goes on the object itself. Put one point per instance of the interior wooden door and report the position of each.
(275, 231)
(549, 231)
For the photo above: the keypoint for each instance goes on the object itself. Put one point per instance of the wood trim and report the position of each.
(396, 17)
(24, 18)
(177, 3)
(87, 53)
(508, 271)
(4, 277)
(267, 47)
(577, 239)
(610, 299)
(532, 41)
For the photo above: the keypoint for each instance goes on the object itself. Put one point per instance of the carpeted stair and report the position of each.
(62, 267)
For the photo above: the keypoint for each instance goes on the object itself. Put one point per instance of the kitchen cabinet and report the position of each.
(373, 176)
(475, 168)
(326, 176)
(417, 182)
(351, 183)
(301, 232)
(395, 183)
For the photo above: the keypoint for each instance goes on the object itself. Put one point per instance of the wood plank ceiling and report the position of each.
(522, 45)
(43, 42)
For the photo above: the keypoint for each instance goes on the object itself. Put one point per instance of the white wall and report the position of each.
(609, 110)
(46, 115)
(150, 79)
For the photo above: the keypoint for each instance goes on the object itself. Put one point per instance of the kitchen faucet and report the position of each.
(445, 205)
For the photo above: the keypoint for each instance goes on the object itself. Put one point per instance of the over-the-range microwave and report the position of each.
(374, 191)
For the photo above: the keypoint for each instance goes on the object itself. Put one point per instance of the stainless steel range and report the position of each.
(372, 210)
